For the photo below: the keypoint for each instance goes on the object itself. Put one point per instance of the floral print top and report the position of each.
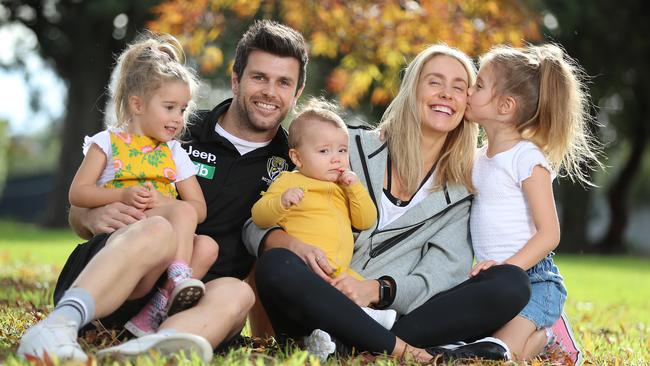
(138, 159)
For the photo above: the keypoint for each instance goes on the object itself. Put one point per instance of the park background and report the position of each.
(62, 51)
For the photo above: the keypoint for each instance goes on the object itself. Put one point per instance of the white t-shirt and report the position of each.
(389, 212)
(500, 220)
(242, 146)
(184, 166)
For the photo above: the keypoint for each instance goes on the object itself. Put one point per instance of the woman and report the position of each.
(416, 259)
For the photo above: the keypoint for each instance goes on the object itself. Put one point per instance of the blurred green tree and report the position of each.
(4, 147)
(594, 33)
(80, 39)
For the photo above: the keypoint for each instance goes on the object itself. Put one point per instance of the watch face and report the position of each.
(384, 293)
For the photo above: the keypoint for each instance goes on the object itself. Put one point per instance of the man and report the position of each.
(239, 148)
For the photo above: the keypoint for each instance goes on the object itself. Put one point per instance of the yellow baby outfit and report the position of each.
(138, 159)
(324, 218)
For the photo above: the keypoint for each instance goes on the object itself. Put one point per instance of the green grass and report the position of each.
(29, 243)
(609, 304)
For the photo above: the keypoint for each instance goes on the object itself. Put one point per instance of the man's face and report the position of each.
(266, 91)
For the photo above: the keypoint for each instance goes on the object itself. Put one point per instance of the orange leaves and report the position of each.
(211, 58)
(323, 45)
(371, 40)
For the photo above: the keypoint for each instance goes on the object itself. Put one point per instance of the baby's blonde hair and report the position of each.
(552, 104)
(143, 67)
(315, 109)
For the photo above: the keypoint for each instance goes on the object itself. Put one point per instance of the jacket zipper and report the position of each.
(364, 166)
(384, 246)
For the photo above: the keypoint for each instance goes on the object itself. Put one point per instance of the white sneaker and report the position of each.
(165, 344)
(57, 339)
(384, 317)
(319, 343)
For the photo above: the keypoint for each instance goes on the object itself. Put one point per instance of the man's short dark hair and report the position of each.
(274, 38)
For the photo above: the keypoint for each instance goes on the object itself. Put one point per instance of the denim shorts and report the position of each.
(547, 296)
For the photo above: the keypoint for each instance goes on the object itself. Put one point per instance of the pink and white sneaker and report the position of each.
(148, 320)
(562, 343)
(184, 295)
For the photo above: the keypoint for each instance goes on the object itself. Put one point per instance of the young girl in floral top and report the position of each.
(137, 161)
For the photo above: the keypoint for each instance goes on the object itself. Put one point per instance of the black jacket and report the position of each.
(231, 184)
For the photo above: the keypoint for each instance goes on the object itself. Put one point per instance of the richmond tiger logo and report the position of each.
(276, 165)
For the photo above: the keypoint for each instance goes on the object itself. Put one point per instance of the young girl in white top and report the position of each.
(533, 108)
(137, 161)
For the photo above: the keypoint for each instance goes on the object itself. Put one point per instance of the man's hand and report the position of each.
(347, 178)
(105, 219)
(137, 196)
(363, 293)
(482, 266)
(291, 196)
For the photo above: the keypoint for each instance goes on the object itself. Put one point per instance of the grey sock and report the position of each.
(76, 305)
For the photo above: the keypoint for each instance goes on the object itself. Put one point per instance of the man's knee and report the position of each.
(149, 238)
(231, 295)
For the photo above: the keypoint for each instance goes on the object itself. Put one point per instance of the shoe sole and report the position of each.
(185, 296)
(133, 329)
(166, 347)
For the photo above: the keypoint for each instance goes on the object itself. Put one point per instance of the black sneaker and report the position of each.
(484, 349)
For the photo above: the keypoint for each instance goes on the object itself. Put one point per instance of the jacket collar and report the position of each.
(376, 155)
(204, 131)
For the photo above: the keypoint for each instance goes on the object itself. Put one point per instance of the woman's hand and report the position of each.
(314, 257)
(363, 293)
(482, 266)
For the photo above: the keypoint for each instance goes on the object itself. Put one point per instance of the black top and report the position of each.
(231, 184)
(396, 201)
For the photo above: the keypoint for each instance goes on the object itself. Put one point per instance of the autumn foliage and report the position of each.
(369, 42)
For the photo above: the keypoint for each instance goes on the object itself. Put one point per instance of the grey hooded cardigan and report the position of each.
(426, 251)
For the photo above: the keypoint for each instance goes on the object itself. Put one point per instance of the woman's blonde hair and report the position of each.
(552, 104)
(153, 59)
(402, 127)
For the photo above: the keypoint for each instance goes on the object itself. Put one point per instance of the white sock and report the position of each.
(384, 317)
(76, 305)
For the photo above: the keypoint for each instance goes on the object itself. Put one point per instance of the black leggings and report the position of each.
(298, 301)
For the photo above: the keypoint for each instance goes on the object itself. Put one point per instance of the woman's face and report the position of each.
(442, 94)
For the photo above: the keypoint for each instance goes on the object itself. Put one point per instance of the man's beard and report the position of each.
(247, 120)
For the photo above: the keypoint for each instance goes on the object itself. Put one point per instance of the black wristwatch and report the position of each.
(385, 297)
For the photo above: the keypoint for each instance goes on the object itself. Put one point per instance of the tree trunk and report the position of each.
(86, 100)
(84, 61)
(617, 195)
